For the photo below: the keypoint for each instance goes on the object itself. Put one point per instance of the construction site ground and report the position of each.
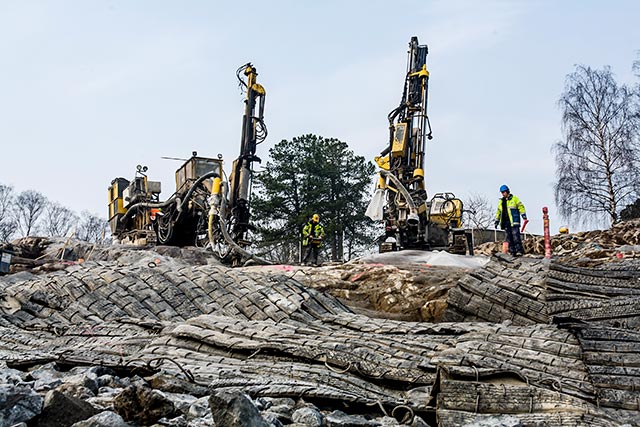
(113, 335)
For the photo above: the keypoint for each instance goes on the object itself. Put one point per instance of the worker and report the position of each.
(510, 210)
(312, 234)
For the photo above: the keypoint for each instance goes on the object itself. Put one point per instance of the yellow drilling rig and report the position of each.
(411, 219)
(207, 209)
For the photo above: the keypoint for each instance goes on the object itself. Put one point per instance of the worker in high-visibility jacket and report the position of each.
(312, 235)
(510, 210)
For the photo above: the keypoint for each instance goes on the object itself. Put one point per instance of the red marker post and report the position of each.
(547, 235)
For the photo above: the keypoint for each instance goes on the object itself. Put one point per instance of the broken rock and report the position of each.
(103, 419)
(234, 410)
(61, 410)
(142, 405)
(308, 416)
(18, 404)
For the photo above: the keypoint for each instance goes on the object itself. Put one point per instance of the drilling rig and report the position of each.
(411, 219)
(207, 209)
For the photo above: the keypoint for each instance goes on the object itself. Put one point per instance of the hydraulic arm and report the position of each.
(409, 126)
(412, 220)
(229, 214)
(206, 210)
(254, 132)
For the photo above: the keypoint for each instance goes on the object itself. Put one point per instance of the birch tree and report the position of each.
(597, 162)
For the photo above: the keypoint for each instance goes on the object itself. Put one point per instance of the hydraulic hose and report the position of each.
(192, 189)
(181, 205)
(139, 205)
(171, 200)
(225, 232)
(210, 228)
(413, 210)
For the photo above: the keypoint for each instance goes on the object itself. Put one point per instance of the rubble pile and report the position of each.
(585, 248)
(38, 254)
(168, 336)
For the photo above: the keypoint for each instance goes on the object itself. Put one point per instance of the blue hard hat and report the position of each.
(504, 188)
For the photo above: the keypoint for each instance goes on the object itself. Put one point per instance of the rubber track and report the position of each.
(268, 335)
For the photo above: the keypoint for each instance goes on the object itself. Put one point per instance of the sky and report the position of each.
(91, 88)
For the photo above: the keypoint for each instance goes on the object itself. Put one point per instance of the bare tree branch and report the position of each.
(478, 211)
(599, 159)
(7, 222)
(58, 220)
(92, 228)
(27, 208)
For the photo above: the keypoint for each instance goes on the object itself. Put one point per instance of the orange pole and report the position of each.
(547, 235)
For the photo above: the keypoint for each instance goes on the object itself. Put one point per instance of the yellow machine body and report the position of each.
(116, 201)
(382, 162)
(446, 212)
(399, 140)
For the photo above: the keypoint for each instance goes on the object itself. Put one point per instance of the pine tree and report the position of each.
(311, 174)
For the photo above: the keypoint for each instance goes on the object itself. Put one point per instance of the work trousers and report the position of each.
(514, 239)
(311, 254)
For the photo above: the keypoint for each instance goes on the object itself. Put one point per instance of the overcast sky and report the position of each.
(90, 89)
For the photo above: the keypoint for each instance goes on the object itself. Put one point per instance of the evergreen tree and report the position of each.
(311, 174)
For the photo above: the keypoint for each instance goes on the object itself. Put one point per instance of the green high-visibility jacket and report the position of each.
(515, 209)
(312, 233)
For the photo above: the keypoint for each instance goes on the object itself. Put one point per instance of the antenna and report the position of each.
(173, 158)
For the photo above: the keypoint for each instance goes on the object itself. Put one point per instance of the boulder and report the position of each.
(61, 410)
(231, 409)
(199, 408)
(308, 416)
(142, 404)
(18, 404)
(103, 419)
